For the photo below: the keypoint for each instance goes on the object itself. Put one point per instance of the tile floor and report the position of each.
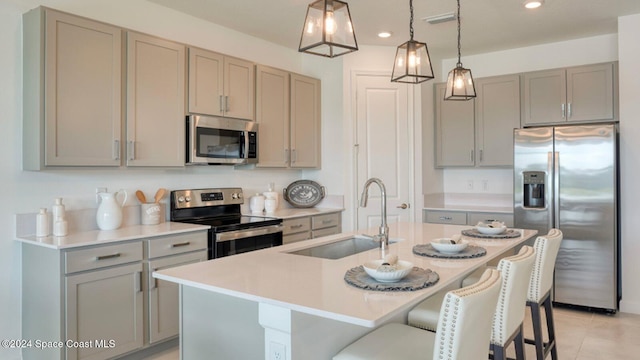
(580, 335)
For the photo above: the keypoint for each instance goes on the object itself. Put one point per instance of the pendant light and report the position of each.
(459, 82)
(328, 30)
(412, 63)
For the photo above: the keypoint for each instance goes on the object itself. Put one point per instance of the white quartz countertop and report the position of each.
(99, 237)
(316, 286)
(295, 212)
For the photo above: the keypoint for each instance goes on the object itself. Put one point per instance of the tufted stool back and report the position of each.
(464, 326)
(546, 248)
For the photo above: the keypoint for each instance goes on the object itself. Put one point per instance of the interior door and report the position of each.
(384, 148)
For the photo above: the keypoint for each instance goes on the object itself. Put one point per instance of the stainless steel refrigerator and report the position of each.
(567, 177)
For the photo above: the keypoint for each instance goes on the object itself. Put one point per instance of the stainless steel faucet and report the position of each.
(383, 234)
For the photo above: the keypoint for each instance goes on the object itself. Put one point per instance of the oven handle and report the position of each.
(240, 234)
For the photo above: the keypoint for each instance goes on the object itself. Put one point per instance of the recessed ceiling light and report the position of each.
(533, 4)
(384, 34)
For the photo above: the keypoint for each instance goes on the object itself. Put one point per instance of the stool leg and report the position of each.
(537, 329)
(518, 342)
(499, 352)
(550, 329)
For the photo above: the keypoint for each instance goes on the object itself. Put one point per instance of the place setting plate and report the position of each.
(447, 248)
(379, 275)
(491, 230)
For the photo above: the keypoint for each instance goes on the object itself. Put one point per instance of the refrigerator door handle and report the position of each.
(556, 189)
(549, 196)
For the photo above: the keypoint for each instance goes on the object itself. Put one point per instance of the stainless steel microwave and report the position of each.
(219, 141)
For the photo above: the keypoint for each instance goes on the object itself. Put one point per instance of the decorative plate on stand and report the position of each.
(303, 193)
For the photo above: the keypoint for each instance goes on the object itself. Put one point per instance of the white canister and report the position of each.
(58, 210)
(42, 223)
(270, 205)
(60, 227)
(256, 203)
(150, 214)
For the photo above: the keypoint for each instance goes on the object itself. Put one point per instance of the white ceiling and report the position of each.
(487, 25)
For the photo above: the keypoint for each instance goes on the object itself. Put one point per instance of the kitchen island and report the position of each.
(273, 304)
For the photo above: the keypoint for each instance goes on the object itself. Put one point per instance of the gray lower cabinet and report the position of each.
(464, 217)
(310, 227)
(101, 302)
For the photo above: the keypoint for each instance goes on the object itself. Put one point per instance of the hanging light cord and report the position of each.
(411, 19)
(459, 64)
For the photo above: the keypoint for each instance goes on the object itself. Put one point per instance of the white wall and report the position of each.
(629, 53)
(25, 192)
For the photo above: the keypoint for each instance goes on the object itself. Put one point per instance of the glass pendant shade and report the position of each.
(412, 64)
(460, 84)
(328, 30)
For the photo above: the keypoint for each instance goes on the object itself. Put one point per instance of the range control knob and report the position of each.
(187, 198)
(235, 196)
(239, 195)
(181, 199)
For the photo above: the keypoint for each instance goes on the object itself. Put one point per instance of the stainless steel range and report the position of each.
(231, 232)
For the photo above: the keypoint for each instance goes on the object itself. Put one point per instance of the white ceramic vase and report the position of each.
(109, 215)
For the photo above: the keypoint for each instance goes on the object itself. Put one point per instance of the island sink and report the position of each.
(341, 248)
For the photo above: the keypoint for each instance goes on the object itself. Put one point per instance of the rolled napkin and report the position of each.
(389, 263)
(456, 238)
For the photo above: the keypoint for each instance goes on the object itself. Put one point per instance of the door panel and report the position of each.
(383, 142)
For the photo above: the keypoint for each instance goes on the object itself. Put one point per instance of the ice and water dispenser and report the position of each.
(534, 188)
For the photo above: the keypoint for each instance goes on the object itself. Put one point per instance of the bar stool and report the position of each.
(539, 294)
(508, 315)
(463, 330)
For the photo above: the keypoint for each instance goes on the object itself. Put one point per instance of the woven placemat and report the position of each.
(417, 279)
(471, 251)
(509, 234)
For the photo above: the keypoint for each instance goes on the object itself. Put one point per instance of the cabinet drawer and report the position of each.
(176, 244)
(296, 225)
(475, 217)
(102, 256)
(446, 217)
(324, 221)
(325, 232)
(288, 239)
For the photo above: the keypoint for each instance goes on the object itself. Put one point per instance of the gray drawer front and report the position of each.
(102, 256)
(475, 217)
(288, 239)
(176, 244)
(446, 217)
(325, 221)
(325, 232)
(296, 225)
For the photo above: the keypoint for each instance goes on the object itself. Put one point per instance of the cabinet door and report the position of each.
(82, 92)
(104, 306)
(305, 122)
(155, 102)
(497, 114)
(545, 95)
(239, 88)
(454, 131)
(205, 82)
(272, 115)
(163, 301)
(590, 93)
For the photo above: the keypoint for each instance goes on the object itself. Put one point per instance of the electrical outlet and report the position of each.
(469, 184)
(99, 190)
(277, 351)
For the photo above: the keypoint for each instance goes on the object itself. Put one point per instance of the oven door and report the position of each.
(241, 241)
(214, 140)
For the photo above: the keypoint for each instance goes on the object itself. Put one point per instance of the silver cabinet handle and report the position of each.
(472, 155)
(296, 226)
(116, 149)
(327, 221)
(105, 257)
(446, 218)
(403, 206)
(286, 156)
(294, 156)
(221, 105)
(226, 103)
(563, 112)
(569, 110)
(180, 244)
(480, 155)
(131, 149)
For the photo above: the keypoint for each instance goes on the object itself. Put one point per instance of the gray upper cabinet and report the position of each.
(580, 94)
(72, 91)
(497, 115)
(221, 85)
(454, 131)
(155, 101)
(305, 122)
(272, 115)
(478, 132)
